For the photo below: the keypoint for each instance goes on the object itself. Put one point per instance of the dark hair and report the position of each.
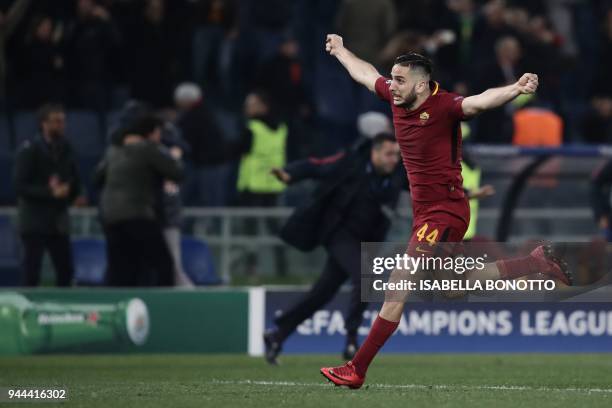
(381, 138)
(47, 109)
(264, 96)
(414, 60)
(143, 126)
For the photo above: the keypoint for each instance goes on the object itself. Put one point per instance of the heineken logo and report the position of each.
(93, 318)
(60, 318)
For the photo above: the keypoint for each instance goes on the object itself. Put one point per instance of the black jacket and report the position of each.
(339, 199)
(201, 130)
(37, 161)
(171, 205)
(131, 177)
(600, 191)
(495, 126)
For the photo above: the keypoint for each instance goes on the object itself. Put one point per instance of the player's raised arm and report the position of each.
(495, 97)
(360, 70)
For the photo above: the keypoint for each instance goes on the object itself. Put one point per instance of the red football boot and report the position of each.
(556, 267)
(343, 376)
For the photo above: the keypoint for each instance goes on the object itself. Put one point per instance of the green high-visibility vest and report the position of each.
(471, 181)
(267, 152)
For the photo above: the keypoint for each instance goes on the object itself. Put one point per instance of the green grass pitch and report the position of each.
(447, 380)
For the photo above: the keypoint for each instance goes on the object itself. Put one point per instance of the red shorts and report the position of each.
(443, 221)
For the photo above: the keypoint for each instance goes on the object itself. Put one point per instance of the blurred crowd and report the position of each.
(194, 62)
(199, 99)
(96, 54)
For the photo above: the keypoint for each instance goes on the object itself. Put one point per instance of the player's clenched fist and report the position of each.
(333, 44)
(528, 83)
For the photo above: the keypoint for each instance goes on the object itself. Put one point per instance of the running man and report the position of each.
(427, 127)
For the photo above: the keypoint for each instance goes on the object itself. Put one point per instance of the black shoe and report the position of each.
(273, 347)
(350, 349)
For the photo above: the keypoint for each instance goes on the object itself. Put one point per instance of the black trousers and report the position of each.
(343, 262)
(60, 251)
(137, 254)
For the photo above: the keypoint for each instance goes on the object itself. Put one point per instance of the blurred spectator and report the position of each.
(131, 175)
(281, 77)
(471, 174)
(370, 124)
(401, 43)
(132, 111)
(489, 29)
(92, 43)
(216, 20)
(264, 148)
(597, 123)
(228, 47)
(150, 56)
(41, 66)
(268, 21)
(419, 15)
(597, 126)
(8, 24)
(454, 46)
(200, 129)
(171, 208)
(561, 14)
(495, 126)
(169, 205)
(537, 126)
(366, 25)
(542, 55)
(47, 182)
(225, 52)
(601, 181)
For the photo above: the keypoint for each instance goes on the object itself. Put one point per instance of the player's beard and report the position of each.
(409, 100)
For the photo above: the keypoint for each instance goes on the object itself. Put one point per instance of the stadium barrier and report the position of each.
(218, 227)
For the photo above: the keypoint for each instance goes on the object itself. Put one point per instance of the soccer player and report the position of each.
(427, 126)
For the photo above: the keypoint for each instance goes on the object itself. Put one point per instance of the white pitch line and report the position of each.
(419, 386)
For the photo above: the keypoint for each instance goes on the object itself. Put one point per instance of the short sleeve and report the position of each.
(453, 104)
(382, 88)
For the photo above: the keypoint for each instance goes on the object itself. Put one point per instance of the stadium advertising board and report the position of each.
(168, 321)
(460, 326)
(123, 321)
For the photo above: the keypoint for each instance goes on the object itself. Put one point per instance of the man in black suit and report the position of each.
(346, 209)
(47, 182)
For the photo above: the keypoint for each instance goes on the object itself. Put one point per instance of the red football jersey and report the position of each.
(430, 142)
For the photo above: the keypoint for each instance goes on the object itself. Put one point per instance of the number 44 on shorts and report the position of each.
(432, 237)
